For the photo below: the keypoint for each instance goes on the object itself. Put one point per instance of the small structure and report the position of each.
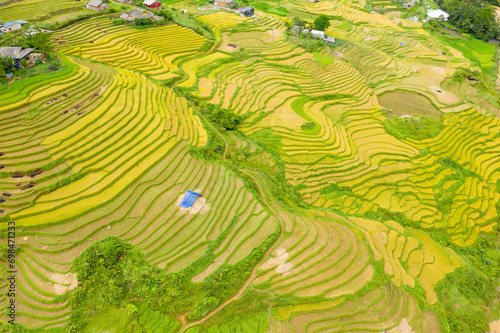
(137, 13)
(493, 41)
(247, 12)
(16, 53)
(305, 31)
(189, 199)
(296, 29)
(318, 34)
(96, 5)
(224, 3)
(153, 4)
(329, 40)
(408, 5)
(127, 2)
(31, 31)
(437, 14)
(13, 26)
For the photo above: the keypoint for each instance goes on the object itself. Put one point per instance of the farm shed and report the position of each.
(224, 3)
(437, 14)
(96, 5)
(318, 33)
(152, 4)
(16, 53)
(247, 12)
(329, 40)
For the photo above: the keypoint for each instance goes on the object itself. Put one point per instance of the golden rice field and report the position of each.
(358, 226)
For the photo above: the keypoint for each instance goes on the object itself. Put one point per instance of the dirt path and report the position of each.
(266, 255)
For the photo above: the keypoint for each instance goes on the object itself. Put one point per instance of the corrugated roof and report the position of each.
(149, 2)
(15, 52)
(95, 3)
(246, 9)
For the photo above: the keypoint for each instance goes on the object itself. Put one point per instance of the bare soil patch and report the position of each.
(407, 103)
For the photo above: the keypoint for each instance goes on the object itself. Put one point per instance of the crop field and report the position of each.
(34, 9)
(358, 190)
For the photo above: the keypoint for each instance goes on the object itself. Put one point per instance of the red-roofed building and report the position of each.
(153, 4)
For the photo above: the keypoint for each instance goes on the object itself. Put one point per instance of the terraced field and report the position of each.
(324, 211)
(33, 9)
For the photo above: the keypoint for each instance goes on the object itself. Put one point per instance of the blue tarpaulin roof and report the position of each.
(189, 199)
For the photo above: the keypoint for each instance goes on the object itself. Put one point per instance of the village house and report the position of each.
(12, 26)
(153, 4)
(408, 5)
(17, 54)
(127, 2)
(136, 14)
(247, 12)
(96, 5)
(296, 29)
(224, 3)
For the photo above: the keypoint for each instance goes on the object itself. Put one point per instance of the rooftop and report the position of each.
(15, 52)
(95, 3)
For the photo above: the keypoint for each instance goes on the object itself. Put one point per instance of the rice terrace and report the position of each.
(248, 166)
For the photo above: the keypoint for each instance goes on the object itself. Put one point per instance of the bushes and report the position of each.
(413, 128)
(222, 118)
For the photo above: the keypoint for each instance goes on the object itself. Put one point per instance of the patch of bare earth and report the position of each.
(403, 327)
(278, 260)
(63, 282)
(200, 205)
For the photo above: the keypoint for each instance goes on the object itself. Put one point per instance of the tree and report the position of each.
(322, 22)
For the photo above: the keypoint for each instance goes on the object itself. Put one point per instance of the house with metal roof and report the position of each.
(329, 40)
(12, 26)
(137, 13)
(96, 5)
(16, 53)
(153, 4)
(247, 12)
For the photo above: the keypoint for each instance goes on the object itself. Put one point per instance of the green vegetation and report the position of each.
(322, 22)
(413, 128)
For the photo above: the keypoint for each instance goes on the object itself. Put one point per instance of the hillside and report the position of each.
(351, 187)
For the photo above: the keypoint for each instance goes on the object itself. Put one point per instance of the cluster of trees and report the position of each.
(321, 22)
(40, 42)
(473, 16)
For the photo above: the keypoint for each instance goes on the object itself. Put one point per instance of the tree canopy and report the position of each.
(322, 22)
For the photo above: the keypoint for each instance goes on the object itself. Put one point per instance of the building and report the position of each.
(16, 53)
(296, 29)
(153, 4)
(224, 3)
(329, 40)
(127, 2)
(318, 34)
(305, 31)
(437, 14)
(12, 26)
(408, 5)
(137, 13)
(247, 12)
(96, 5)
